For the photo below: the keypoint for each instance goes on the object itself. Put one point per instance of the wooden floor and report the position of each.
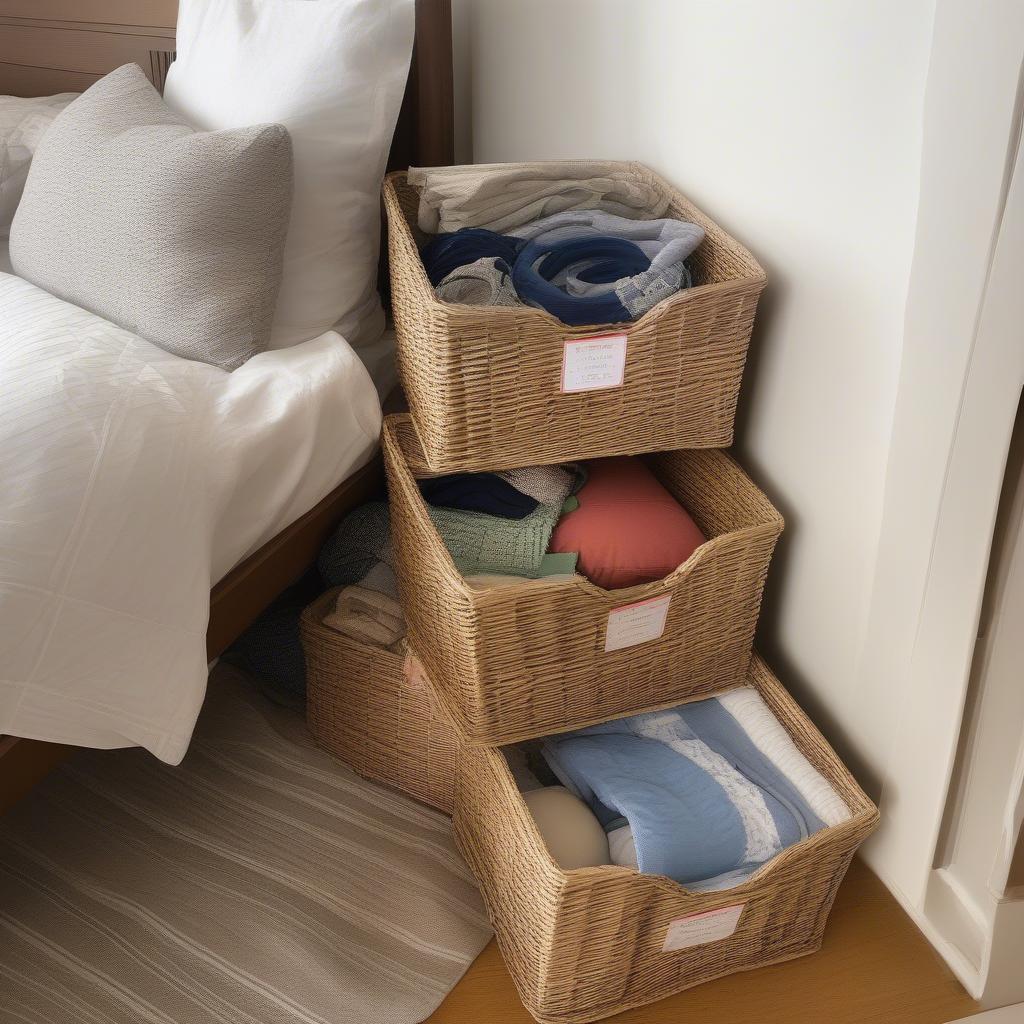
(875, 967)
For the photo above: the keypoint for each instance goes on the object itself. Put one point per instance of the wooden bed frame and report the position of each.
(51, 46)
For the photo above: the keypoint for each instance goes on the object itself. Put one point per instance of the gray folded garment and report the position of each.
(381, 577)
(651, 235)
(550, 485)
(486, 282)
(502, 197)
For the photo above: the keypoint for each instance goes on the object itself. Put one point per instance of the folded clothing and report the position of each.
(637, 285)
(628, 528)
(502, 197)
(447, 253)
(705, 793)
(381, 577)
(477, 543)
(589, 266)
(550, 485)
(484, 282)
(368, 616)
(361, 541)
(480, 543)
(652, 237)
(463, 507)
(584, 266)
(478, 492)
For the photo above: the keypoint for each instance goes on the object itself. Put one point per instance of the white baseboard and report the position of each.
(959, 961)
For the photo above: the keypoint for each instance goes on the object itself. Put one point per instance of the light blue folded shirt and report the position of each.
(700, 798)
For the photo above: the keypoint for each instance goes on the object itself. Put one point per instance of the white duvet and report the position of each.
(130, 481)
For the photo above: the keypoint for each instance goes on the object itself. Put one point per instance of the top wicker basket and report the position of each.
(485, 383)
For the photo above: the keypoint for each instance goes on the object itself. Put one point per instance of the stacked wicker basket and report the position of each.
(485, 388)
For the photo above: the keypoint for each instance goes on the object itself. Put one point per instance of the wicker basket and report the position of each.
(584, 944)
(363, 707)
(484, 383)
(531, 659)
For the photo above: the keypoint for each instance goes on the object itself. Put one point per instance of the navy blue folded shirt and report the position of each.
(478, 492)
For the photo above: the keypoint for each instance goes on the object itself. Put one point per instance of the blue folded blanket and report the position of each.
(582, 266)
(709, 791)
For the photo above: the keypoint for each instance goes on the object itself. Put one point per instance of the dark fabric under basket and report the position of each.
(484, 382)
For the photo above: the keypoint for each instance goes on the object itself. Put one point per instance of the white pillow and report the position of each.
(23, 122)
(333, 73)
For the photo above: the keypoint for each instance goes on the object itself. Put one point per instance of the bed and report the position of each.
(56, 45)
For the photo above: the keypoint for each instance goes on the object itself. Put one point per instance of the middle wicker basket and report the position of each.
(546, 656)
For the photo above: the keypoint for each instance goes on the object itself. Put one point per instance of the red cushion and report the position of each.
(628, 528)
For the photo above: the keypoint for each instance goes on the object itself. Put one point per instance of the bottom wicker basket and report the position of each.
(364, 706)
(588, 943)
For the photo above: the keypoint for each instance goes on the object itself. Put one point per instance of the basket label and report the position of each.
(415, 676)
(594, 363)
(637, 623)
(695, 930)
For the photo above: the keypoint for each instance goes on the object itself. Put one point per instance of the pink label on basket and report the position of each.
(415, 675)
(634, 624)
(594, 363)
(695, 930)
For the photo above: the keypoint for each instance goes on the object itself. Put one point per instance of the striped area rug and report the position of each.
(260, 882)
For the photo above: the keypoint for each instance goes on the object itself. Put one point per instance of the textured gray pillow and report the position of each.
(174, 234)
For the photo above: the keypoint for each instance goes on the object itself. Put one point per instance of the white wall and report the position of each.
(960, 388)
(797, 125)
(865, 151)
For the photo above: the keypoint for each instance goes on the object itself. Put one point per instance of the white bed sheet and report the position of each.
(132, 481)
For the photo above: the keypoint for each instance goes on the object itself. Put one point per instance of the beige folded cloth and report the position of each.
(368, 616)
(550, 485)
(506, 196)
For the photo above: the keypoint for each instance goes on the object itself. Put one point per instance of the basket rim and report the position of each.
(863, 818)
(756, 277)
(614, 598)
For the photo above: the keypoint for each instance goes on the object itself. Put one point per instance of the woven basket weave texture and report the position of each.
(362, 707)
(484, 383)
(528, 660)
(584, 944)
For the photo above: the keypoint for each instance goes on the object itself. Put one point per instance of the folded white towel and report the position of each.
(621, 848)
(747, 706)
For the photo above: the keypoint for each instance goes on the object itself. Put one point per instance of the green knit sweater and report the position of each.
(478, 543)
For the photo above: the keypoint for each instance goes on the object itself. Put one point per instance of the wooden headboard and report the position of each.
(51, 46)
